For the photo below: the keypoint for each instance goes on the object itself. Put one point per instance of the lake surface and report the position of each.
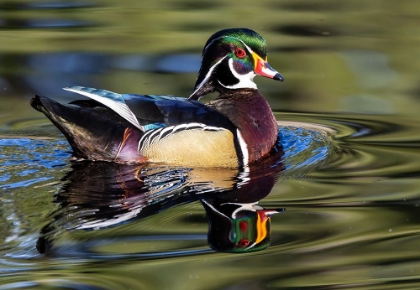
(337, 206)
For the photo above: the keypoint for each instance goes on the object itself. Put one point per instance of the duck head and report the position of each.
(231, 59)
(238, 227)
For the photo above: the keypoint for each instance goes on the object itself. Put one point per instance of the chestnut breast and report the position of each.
(252, 115)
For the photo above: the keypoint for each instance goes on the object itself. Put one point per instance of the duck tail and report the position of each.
(93, 131)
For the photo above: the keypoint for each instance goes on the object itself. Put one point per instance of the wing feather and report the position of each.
(109, 99)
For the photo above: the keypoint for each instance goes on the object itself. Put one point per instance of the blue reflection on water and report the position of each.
(24, 161)
(296, 141)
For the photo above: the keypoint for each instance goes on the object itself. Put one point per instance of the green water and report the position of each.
(348, 178)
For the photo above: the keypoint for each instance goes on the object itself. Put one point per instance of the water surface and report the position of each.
(345, 183)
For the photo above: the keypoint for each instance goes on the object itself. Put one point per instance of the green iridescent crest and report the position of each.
(252, 39)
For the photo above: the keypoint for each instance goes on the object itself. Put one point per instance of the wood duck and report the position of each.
(236, 129)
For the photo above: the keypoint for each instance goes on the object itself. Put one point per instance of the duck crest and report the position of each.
(236, 129)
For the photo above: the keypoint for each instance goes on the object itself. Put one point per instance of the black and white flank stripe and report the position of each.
(154, 136)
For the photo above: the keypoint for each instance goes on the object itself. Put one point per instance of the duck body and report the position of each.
(235, 129)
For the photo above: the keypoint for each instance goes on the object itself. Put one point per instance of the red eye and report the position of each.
(239, 52)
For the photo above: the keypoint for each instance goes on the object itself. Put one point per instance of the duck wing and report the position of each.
(149, 112)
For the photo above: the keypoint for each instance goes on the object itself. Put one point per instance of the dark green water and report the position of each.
(348, 175)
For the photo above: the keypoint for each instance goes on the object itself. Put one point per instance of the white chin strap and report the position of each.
(246, 81)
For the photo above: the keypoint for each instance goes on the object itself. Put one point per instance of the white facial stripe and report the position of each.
(247, 47)
(244, 148)
(204, 50)
(213, 208)
(243, 206)
(245, 81)
(208, 75)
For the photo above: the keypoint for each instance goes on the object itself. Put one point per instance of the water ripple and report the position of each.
(325, 219)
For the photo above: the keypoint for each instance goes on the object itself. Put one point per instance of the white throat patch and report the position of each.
(245, 81)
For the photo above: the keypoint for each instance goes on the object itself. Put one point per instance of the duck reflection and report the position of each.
(237, 227)
(99, 195)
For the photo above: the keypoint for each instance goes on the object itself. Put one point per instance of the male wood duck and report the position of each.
(236, 129)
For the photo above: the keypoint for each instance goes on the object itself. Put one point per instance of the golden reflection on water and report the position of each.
(351, 66)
